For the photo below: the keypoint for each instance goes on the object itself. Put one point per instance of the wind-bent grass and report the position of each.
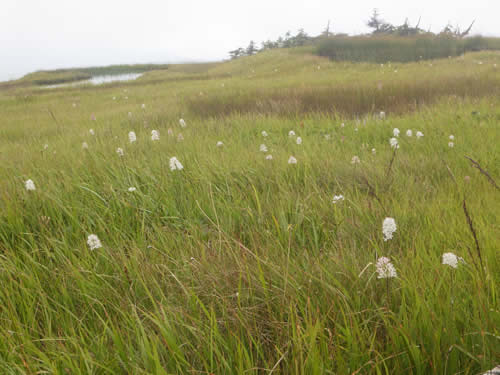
(238, 264)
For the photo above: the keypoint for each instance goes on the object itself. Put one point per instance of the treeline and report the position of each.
(286, 41)
(423, 44)
(380, 27)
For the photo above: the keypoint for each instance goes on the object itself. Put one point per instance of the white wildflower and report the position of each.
(388, 228)
(381, 115)
(419, 134)
(132, 189)
(342, 125)
(269, 157)
(263, 148)
(155, 135)
(85, 145)
(451, 144)
(409, 133)
(299, 140)
(394, 143)
(182, 123)
(119, 151)
(45, 146)
(30, 185)
(132, 137)
(395, 132)
(385, 269)
(355, 160)
(143, 106)
(337, 198)
(91, 131)
(374, 151)
(291, 133)
(264, 133)
(292, 160)
(93, 242)
(451, 137)
(220, 144)
(170, 132)
(175, 165)
(451, 260)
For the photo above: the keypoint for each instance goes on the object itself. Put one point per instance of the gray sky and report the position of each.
(47, 34)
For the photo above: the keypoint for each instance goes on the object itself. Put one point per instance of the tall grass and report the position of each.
(382, 49)
(238, 264)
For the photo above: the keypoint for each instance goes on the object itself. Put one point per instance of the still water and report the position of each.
(99, 80)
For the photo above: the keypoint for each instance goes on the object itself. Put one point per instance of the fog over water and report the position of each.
(49, 34)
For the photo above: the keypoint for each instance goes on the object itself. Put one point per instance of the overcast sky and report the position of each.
(47, 34)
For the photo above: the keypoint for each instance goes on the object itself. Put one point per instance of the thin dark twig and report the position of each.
(473, 231)
(53, 116)
(371, 191)
(478, 166)
(473, 258)
(450, 172)
(390, 164)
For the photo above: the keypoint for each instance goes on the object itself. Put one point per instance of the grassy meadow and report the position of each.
(243, 264)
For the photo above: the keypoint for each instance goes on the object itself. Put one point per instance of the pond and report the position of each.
(98, 80)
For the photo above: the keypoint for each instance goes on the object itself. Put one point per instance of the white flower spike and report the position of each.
(385, 269)
(394, 143)
(451, 260)
(93, 242)
(337, 198)
(132, 137)
(175, 165)
(388, 228)
(292, 160)
(30, 185)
